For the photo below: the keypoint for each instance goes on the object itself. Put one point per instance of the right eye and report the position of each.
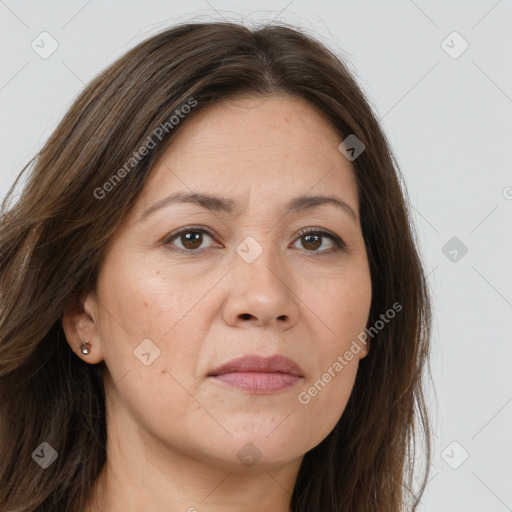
(190, 237)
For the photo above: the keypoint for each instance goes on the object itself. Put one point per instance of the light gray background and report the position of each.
(450, 123)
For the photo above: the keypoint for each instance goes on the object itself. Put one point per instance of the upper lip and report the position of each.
(255, 363)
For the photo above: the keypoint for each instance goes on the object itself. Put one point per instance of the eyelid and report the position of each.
(338, 242)
(174, 234)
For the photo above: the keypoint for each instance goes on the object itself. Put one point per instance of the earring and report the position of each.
(85, 347)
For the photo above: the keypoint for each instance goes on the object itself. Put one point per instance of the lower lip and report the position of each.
(259, 382)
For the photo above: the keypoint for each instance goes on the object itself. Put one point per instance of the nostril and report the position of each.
(245, 316)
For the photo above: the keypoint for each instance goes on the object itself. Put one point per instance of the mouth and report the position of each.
(259, 375)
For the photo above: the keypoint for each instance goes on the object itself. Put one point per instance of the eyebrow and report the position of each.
(223, 204)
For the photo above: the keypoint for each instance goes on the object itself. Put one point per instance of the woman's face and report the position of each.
(239, 280)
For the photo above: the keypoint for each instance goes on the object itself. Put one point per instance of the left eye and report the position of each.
(313, 240)
(192, 239)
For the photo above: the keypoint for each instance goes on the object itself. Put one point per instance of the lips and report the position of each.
(258, 364)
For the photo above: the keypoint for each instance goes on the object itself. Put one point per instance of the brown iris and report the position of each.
(193, 238)
(316, 243)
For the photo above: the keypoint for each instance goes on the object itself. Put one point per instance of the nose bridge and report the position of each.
(257, 264)
(261, 289)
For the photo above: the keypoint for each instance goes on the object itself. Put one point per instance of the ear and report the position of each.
(79, 323)
(363, 346)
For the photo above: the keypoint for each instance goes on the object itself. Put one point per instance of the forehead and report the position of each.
(278, 147)
(248, 121)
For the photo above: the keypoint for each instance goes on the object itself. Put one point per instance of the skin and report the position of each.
(174, 433)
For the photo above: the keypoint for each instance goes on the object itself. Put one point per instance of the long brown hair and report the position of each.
(53, 235)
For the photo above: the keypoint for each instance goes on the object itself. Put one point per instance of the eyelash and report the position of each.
(339, 244)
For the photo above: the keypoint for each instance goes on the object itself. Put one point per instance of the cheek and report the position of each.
(323, 400)
(150, 344)
(343, 306)
(145, 298)
(152, 325)
(157, 400)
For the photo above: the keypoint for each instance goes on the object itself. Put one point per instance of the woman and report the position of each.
(211, 295)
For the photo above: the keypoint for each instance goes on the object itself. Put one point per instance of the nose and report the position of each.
(261, 293)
